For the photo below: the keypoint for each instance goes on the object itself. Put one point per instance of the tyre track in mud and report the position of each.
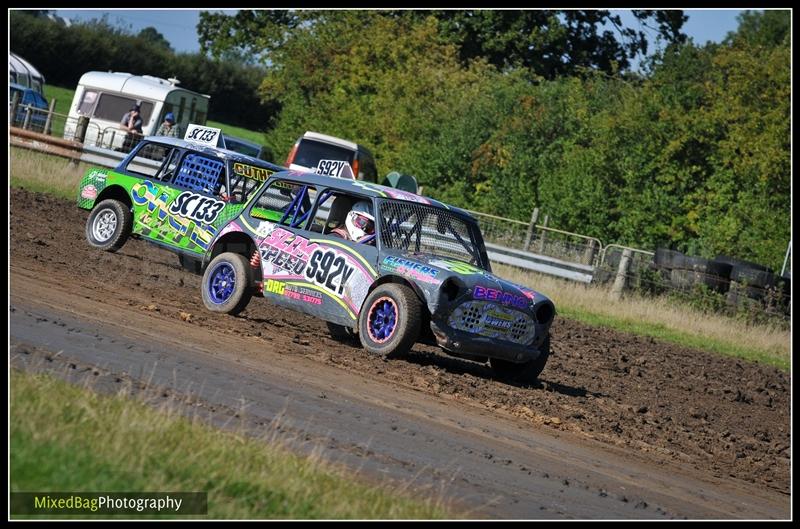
(723, 417)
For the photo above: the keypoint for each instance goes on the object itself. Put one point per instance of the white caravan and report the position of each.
(104, 97)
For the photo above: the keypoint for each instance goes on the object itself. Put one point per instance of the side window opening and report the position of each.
(153, 160)
(245, 180)
(332, 209)
(201, 174)
(287, 203)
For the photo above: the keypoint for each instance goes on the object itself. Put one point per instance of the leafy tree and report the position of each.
(545, 42)
(153, 36)
(769, 28)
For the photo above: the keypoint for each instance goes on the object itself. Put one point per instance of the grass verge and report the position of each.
(44, 173)
(67, 438)
(659, 318)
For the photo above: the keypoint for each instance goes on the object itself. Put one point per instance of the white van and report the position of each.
(106, 96)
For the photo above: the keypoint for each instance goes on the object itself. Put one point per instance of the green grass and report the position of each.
(63, 97)
(230, 130)
(44, 173)
(65, 438)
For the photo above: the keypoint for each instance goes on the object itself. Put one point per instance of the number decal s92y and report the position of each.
(329, 269)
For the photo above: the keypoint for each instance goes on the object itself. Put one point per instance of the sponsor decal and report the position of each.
(276, 287)
(303, 294)
(89, 192)
(99, 176)
(251, 171)
(413, 269)
(157, 218)
(493, 321)
(505, 298)
(197, 207)
(205, 135)
(457, 267)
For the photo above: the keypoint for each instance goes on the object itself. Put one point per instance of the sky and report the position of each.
(179, 26)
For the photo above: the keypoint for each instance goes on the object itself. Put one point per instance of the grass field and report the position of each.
(68, 438)
(666, 320)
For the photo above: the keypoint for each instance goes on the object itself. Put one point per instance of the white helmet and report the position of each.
(359, 224)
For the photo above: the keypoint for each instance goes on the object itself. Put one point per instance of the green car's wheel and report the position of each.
(109, 225)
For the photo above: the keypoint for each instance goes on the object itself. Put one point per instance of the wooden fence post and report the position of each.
(531, 226)
(588, 255)
(541, 239)
(622, 274)
(49, 122)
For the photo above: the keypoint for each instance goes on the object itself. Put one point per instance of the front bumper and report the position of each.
(457, 341)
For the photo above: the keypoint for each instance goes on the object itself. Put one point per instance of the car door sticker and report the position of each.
(318, 267)
(197, 207)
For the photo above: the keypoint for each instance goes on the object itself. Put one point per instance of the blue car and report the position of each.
(27, 97)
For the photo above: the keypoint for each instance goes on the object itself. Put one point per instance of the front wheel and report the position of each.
(526, 372)
(227, 284)
(390, 320)
(109, 225)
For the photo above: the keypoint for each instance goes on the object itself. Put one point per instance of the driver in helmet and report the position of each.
(359, 225)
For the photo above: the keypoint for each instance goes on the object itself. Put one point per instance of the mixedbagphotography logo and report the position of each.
(63, 503)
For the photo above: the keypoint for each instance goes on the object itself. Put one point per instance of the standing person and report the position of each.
(168, 127)
(132, 122)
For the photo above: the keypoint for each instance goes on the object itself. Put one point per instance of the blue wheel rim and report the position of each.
(221, 283)
(382, 320)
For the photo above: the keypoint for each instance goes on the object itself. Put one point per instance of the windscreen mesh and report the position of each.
(414, 227)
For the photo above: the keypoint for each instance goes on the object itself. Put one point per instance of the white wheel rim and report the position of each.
(104, 225)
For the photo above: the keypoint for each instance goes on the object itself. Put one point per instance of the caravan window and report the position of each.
(112, 107)
(87, 102)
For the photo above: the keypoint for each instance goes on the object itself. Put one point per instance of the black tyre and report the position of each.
(341, 333)
(109, 225)
(227, 283)
(389, 322)
(526, 372)
(741, 263)
(753, 278)
(669, 259)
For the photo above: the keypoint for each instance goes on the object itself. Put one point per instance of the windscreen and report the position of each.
(233, 145)
(310, 152)
(418, 228)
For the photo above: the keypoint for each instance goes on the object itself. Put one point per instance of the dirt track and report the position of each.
(718, 419)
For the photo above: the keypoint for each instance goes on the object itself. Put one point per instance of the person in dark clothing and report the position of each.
(132, 123)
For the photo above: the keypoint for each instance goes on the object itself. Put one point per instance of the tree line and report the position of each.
(505, 111)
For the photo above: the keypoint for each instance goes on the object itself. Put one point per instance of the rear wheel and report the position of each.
(109, 225)
(390, 320)
(526, 372)
(227, 284)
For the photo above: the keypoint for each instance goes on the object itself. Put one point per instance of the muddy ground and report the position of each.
(722, 416)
